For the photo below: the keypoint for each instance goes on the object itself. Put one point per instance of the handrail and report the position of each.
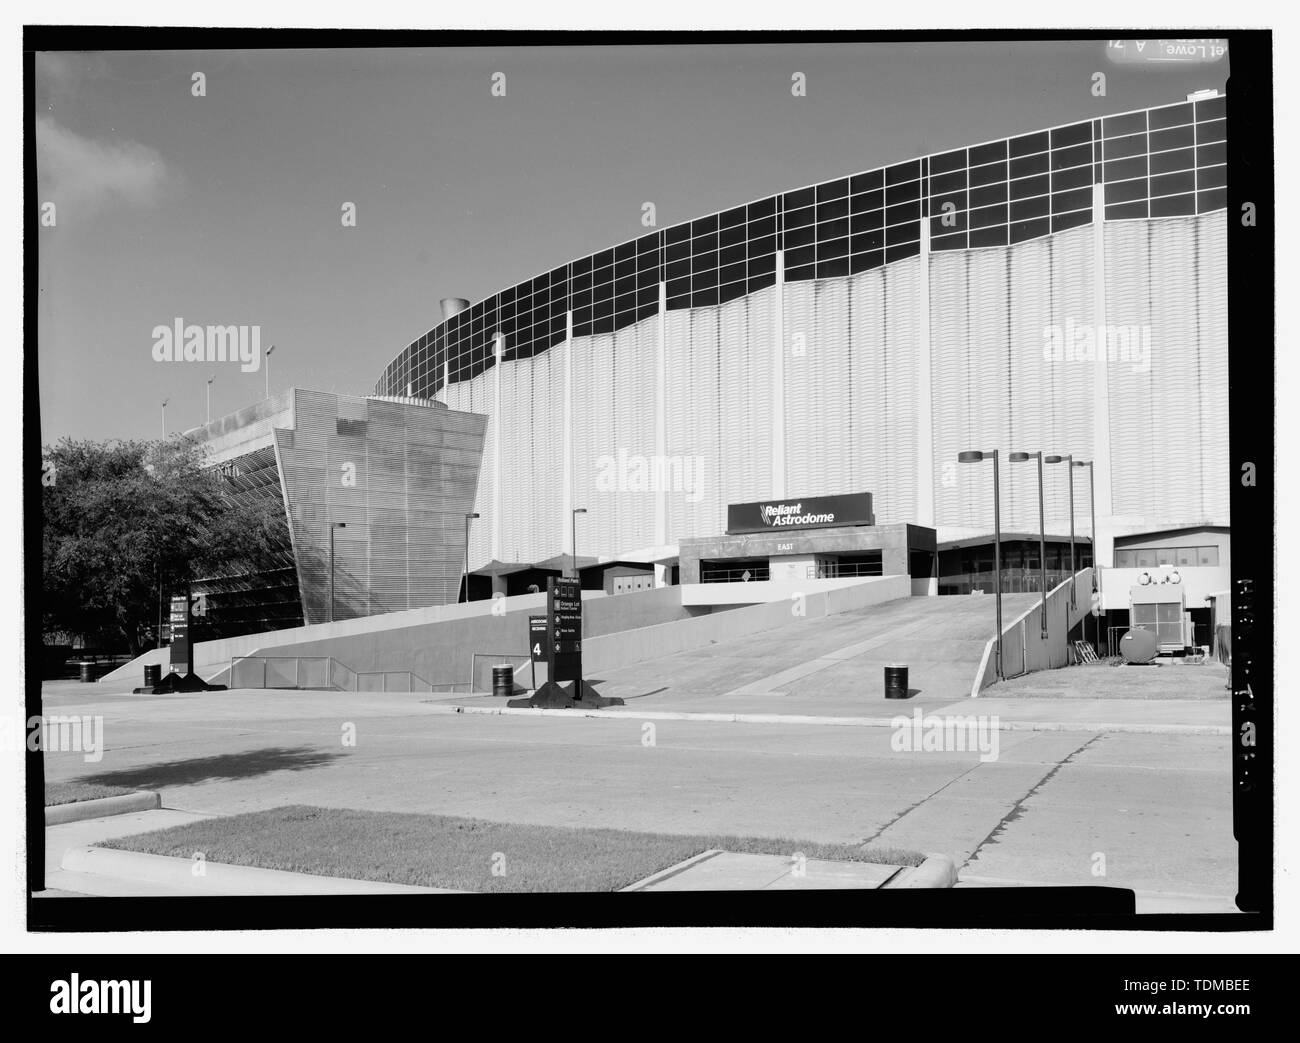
(350, 681)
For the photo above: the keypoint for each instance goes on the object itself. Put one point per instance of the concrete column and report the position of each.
(566, 496)
(924, 415)
(661, 432)
(499, 347)
(498, 586)
(778, 383)
(1100, 384)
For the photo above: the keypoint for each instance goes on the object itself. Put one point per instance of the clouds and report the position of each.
(84, 174)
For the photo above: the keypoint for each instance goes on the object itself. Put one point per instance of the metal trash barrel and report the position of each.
(895, 682)
(503, 679)
(87, 669)
(153, 675)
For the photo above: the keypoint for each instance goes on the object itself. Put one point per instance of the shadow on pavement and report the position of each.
(224, 766)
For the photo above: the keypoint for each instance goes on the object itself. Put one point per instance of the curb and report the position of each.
(673, 870)
(935, 871)
(221, 878)
(122, 804)
(844, 722)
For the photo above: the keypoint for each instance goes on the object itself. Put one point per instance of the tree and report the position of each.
(123, 517)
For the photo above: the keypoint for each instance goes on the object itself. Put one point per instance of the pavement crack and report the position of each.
(912, 807)
(1018, 808)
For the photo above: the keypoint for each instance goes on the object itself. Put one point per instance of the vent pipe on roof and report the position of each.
(452, 306)
(1212, 92)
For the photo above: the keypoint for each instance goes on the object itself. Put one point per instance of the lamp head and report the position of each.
(1020, 458)
(1053, 459)
(970, 456)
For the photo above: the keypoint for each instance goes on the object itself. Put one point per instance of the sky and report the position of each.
(226, 208)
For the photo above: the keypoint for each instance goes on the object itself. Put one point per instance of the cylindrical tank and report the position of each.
(895, 681)
(87, 671)
(1138, 646)
(152, 675)
(503, 679)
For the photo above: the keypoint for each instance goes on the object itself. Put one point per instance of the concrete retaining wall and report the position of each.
(1024, 648)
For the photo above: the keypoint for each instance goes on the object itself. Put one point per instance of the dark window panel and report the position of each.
(869, 181)
(902, 234)
(988, 216)
(832, 229)
(625, 285)
(704, 244)
(732, 273)
(1072, 135)
(947, 162)
(762, 245)
(988, 174)
(1179, 137)
(1078, 199)
(704, 263)
(677, 234)
(730, 291)
(678, 303)
(833, 269)
(798, 218)
(704, 298)
(581, 266)
(1023, 230)
(1212, 108)
(803, 255)
(1130, 123)
(623, 319)
(580, 299)
(1170, 116)
(647, 277)
(867, 201)
(832, 249)
(704, 226)
(1027, 144)
(705, 280)
(558, 327)
(1208, 155)
(760, 282)
(832, 209)
(801, 274)
(602, 325)
(1212, 177)
(984, 237)
(1120, 148)
(732, 218)
(1076, 178)
(902, 172)
(1028, 165)
(678, 287)
(1126, 191)
(902, 193)
(679, 251)
(1173, 184)
(942, 184)
(989, 194)
(952, 241)
(902, 212)
(1125, 211)
(1026, 187)
(646, 246)
(1174, 206)
(602, 309)
(833, 190)
(604, 259)
(625, 269)
(902, 252)
(731, 255)
(647, 295)
(762, 209)
(800, 197)
(581, 283)
(866, 242)
(644, 312)
(1060, 222)
(865, 262)
(1024, 209)
(1211, 132)
(757, 266)
(867, 221)
(731, 237)
(1125, 169)
(1214, 199)
(994, 151)
(762, 229)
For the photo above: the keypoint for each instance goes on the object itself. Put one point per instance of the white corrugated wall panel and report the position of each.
(692, 436)
(635, 369)
(1212, 362)
(745, 385)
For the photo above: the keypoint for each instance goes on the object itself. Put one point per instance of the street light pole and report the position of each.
(972, 456)
(574, 521)
(333, 526)
(1042, 529)
(164, 418)
(268, 369)
(1068, 460)
(468, 519)
(210, 380)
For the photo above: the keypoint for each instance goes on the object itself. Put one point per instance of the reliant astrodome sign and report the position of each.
(810, 512)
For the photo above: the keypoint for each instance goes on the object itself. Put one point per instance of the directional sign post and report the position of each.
(560, 633)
